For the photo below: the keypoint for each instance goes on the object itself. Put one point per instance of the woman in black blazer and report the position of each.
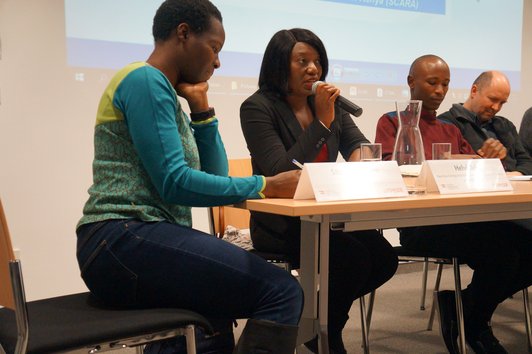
(283, 121)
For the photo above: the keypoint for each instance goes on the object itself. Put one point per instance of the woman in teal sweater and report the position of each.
(151, 163)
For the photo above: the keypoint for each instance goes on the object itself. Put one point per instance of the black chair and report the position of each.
(78, 321)
(407, 256)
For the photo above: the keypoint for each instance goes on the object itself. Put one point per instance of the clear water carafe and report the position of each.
(408, 148)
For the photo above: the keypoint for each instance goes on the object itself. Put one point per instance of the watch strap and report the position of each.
(200, 116)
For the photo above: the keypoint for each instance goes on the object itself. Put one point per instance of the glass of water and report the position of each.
(370, 152)
(441, 151)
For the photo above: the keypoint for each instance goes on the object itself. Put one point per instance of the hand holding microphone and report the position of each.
(325, 96)
(341, 101)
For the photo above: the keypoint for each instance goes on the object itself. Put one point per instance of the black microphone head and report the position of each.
(315, 86)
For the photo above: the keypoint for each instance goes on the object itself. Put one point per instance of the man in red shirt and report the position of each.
(428, 80)
(498, 252)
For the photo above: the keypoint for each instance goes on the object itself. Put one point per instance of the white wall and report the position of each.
(46, 122)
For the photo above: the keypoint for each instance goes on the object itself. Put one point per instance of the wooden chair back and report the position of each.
(227, 215)
(6, 255)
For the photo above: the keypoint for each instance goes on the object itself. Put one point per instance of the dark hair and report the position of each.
(483, 80)
(196, 13)
(275, 67)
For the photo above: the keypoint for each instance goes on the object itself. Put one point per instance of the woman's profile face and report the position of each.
(305, 69)
(203, 50)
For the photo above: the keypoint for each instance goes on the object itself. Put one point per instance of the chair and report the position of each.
(406, 256)
(78, 321)
(223, 216)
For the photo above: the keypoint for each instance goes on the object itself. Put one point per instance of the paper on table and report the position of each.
(333, 181)
(304, 187)
(464, 176)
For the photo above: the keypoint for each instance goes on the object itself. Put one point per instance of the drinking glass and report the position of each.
(441, 151)
(370, 152)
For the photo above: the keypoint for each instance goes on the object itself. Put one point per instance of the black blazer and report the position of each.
(274, 137)
(525, 131)
(517, 158)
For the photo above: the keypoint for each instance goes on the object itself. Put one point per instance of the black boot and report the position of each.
(312, 345)
(484, 342)
(337, 321)
(267, 337)
(448, 322)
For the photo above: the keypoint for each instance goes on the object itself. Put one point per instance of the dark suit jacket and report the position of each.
(274, 137)
(517, 158)
(525, 130)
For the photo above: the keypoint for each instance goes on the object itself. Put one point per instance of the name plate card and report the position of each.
(334, 181)
(464, 176)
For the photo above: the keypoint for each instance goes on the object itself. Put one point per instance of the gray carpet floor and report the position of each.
(398, 325)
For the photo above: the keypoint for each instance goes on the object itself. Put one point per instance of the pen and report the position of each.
(521, 178)
(297, 163)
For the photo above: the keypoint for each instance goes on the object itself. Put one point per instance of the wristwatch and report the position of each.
(200, 116)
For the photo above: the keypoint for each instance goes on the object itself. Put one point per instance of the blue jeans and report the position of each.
(159, 264)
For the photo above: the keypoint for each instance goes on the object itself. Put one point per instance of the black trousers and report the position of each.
(359, 262)
(500, 253)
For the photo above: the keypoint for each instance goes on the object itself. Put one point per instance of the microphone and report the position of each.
(341, 101)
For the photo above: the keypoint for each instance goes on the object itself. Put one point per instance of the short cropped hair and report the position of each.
(196, 13)
(483, 80)
(423, 59)
(275, 68)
